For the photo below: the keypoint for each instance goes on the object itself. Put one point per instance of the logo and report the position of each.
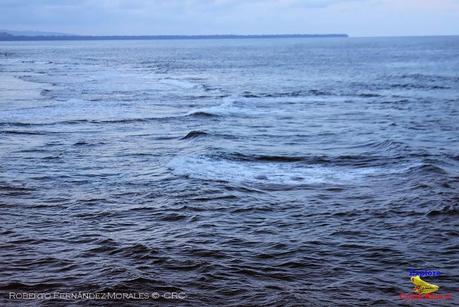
(421, 286)
(424, 290)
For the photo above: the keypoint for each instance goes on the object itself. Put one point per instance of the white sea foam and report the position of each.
(238, 106)
(14, 89)
(225, 108)
(180, 83)
(262, 106)
(202, 167)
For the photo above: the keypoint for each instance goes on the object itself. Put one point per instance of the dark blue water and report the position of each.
(240, 172)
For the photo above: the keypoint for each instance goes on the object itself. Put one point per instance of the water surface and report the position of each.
(241, 172)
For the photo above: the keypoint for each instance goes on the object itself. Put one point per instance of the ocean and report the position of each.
(236, 172)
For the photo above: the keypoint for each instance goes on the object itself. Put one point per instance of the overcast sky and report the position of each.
(135, 17)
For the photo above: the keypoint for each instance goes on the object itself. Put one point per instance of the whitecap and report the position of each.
(14, 89)
(225, 108)
(179, 83)
(206, 168)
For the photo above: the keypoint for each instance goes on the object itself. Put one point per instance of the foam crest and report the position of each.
(14, 89)
(179, 83)
(206, 168)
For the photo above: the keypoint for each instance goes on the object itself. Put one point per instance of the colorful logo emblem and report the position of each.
(424, 290)
(423, 287)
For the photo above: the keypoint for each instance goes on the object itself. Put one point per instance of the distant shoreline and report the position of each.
(9, 37)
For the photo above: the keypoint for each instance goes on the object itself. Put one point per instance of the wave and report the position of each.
(299, 93)
(243, 107)
(446, 210)
(19, 124)
(201, 114)
(326, 160)
(225, 108)
(369, 95)
(429, 78)
(266, 105)
(194, 134)
(40, 286)
(25, 132)
(311, 94)
(179, 83)
(90, 121)
(268, 172)
(87, 143)
(266, 158)
(427, 168)
(14, 190)
(409, 86)
(15, 88)
(345, 160)
(382, 147)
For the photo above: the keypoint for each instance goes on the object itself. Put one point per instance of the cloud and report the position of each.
(356, 17)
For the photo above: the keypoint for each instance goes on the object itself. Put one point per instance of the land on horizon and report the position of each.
(6, 35)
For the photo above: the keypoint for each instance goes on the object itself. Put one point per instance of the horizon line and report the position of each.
(5, 35)
(8, 36)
